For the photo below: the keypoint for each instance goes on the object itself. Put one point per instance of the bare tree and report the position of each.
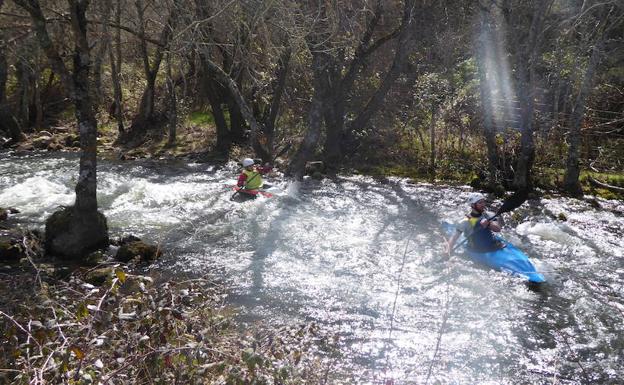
(8, 122)
(76, 230)
(602, 26)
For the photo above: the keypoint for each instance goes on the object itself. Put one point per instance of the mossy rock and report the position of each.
(562, 217)
(99, 276)
(11, 248)
(138, 249)
(73, 236)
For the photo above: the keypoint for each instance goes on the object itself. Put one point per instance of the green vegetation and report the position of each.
(200, 118)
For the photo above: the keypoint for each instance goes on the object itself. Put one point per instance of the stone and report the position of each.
(99, 276)
(11, 248)
(314, 166)
(72, 236)
(140, 250)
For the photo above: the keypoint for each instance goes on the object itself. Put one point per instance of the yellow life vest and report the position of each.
(254, 179)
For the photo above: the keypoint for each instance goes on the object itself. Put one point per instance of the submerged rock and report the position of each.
(139, 251)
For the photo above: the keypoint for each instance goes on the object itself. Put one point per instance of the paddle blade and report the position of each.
(513, 202)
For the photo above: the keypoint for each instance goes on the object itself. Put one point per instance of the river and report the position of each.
(363, 258)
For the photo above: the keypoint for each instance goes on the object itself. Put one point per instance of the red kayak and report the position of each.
(253, 193)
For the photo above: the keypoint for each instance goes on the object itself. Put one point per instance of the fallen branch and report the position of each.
(605, 185)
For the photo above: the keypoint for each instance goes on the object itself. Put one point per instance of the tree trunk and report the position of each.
(145, 114)
(432, 139)
(75, 231)
(241, 104)
(22, 72)
(223, 131)
(7, 121)
(279, 84)
(401, 56)
(115, 63)
(172, 110)
(37, 103)
(526, 61)
(306, 150)
(333, 110)
(103, 44)
(214, 90)
(571, 182)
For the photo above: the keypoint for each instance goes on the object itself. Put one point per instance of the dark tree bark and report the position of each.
(145, 115)
(7, 120)
(403, 48)
(241, 103)
(103, 44)
(215, 91)
(172, 110)
(571, 182)
(115, 63)
(306, 150)
(24, 92)
(432, 139)
(269, 118)
(75, 231)
(340, 86)
(526, 61)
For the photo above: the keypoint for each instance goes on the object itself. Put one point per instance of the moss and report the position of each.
(200, 118)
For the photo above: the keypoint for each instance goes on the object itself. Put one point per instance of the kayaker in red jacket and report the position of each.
(251, 176)
(477, 227)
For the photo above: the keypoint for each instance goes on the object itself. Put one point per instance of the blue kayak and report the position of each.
(508, 259)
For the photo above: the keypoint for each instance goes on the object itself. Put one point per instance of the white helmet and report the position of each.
(248, 162)
(474, 198)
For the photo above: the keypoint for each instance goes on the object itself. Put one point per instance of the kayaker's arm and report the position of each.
(493, 225)
(241, 180)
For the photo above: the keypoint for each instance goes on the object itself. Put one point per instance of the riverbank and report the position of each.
(73, 324)
(192, 144)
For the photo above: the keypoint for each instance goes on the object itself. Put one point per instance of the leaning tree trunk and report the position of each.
(241, 104)
(75, 231)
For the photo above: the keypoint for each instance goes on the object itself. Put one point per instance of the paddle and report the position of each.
(511, 203)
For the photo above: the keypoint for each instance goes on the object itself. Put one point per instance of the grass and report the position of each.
(200, 118)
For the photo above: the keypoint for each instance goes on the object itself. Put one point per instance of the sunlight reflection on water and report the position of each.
(364, 259)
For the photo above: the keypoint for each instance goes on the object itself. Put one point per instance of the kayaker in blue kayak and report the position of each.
(477, 227)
